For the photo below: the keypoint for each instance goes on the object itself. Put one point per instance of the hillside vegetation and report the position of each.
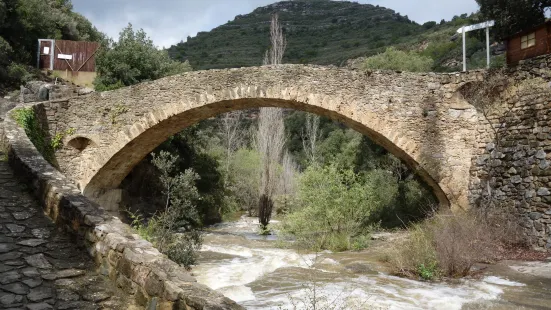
(328, 33)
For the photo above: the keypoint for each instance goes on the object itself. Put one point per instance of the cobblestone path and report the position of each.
(39, 266)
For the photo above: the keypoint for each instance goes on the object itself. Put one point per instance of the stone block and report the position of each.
(543, 191)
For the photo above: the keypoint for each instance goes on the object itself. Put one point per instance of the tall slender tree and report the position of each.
(311, 136)
(271, 132)
(232, 137)
(274, 55)
(270, 144)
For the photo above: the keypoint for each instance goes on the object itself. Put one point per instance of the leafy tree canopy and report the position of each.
(513, 16)
(134, 59)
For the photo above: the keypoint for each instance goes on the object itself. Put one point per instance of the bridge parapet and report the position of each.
(131, 263)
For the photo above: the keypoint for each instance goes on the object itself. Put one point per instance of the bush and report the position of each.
(26, 118)
(393, 59)
(18, 72)
(446, 245)
(100, 87)
(332, 207)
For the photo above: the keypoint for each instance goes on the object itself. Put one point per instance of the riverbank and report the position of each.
(256, 273)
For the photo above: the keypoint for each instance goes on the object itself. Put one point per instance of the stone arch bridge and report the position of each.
(496, 157)
(420, 118)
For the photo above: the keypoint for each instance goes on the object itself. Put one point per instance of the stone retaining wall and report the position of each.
(131, 262)
(511, 174)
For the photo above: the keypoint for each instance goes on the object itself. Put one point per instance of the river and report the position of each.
(256, 273)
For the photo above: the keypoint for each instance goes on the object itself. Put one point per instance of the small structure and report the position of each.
(529, 43)
(463, 30)
(71, 60)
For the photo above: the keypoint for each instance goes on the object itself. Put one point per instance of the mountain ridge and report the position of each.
(319, 32)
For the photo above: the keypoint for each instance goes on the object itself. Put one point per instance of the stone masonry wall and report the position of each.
(133, 264)
(511, 172)
(417, 117)
(494, 158)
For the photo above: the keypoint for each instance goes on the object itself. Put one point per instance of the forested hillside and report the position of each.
(326, 32)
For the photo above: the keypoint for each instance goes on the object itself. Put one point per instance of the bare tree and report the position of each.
(310, 136)
(232, 137)
(270, 138)
(274, 56)
(287, 180)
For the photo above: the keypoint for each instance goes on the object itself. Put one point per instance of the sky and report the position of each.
(168, 22)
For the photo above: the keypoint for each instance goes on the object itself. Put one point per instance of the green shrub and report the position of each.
(100, 86)
(407, 256)
(393, 59)
(333, 204)
(429, 272)
(26, 119)
(360, 242)
(19, 72)
(498, 62)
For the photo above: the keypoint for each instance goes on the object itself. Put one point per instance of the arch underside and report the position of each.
(117, 165)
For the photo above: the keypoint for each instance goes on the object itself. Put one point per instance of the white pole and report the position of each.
(464, 51)
(488, 46)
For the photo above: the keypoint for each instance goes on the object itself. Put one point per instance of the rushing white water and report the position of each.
(258, 275)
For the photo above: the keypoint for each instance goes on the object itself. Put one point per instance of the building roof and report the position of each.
(548, 21)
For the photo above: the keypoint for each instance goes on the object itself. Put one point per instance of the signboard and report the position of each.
(487, 24)
(65, 56)
(46, 50)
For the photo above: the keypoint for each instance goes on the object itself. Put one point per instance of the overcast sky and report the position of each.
(169, 21)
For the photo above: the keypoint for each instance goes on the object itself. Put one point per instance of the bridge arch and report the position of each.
(415, 117)
(146, 135)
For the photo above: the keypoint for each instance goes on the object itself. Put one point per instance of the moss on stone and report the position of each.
(28, 120)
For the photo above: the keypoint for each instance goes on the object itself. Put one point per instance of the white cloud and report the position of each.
(169, 21)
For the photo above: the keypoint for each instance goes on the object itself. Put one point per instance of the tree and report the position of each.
(287, 180)
(270, 142)
(270, 139)
(179, 214)
(133, 59)
(429, 25)
(311, 136)
(513, 16)
(230, 125)
(278, 43)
